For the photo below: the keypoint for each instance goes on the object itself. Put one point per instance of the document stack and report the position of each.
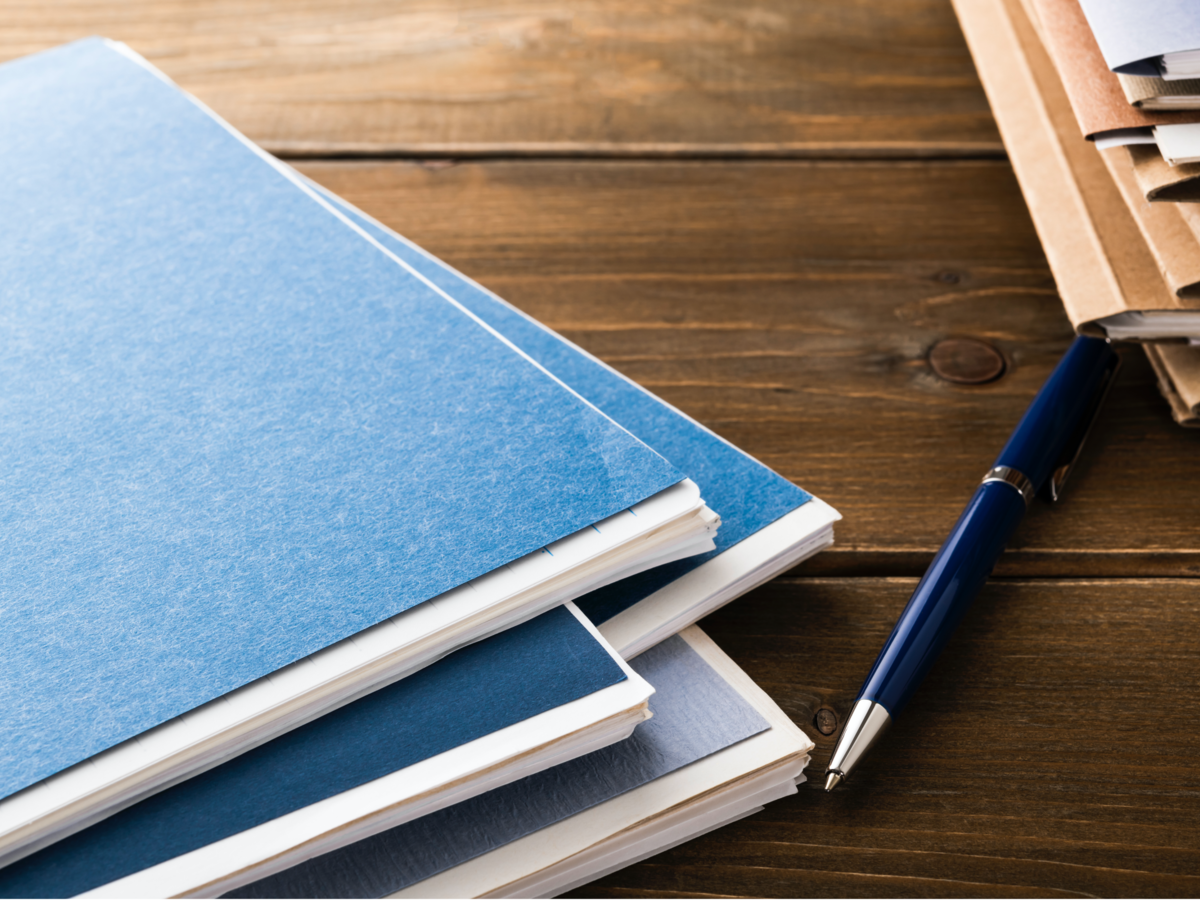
(327, 571)
(1120, 220)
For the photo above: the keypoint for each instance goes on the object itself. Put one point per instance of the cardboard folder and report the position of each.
(1102, 263)
(1159, 180)
(1095, 92)
(1101, 103)
(1178, 369)
(1172, 231)
(1101, 260)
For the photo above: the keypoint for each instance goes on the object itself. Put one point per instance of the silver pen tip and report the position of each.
(832, 780)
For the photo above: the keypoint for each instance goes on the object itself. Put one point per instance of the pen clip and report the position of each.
(1070, 455)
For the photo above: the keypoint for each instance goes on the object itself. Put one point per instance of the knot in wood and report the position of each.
(826, 721)
(966, 361)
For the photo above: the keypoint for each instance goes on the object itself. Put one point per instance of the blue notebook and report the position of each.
(747, 495)
(234, 432)
(509, 678)
(696, 713)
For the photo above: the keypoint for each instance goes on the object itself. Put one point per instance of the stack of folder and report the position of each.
(1103, 129)
(328, 572)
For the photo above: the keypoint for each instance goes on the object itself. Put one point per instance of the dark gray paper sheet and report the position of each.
(696, 713)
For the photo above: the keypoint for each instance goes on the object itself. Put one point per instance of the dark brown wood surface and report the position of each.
(1051, 751)
(769, 213)
(865, 77)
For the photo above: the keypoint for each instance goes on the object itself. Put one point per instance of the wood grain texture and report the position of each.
(1052, 751)
(790, 307)
(465, 77)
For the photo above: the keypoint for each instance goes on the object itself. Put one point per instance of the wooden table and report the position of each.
(768, 213)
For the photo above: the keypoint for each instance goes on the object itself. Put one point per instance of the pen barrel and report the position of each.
(944, 595)
(1055, 422)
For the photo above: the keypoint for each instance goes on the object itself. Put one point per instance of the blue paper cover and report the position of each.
(232, 432)
(747, 495)
(696, 713)
(534, 667)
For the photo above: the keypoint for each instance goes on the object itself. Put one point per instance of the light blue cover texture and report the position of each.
(534, 667)
(696, 713)
(747, 495)
(232, 431)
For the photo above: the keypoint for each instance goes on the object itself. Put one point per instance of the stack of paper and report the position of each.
(533, 696)
(1125, 268)
(267, 461)
(1113, 109)
(1156, 93)
(715, 751)
(248, 448)
(1118, 63)
(1105, 114)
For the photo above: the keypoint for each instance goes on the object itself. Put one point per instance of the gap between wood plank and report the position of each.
(1040, 565)
(897, 150)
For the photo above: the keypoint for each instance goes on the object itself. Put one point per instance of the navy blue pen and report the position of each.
(1037, 458)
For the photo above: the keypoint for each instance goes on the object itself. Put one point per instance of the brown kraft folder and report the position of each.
(1101, 103)
(1159, 180)
(1178, 369)
(1170, 229)
(1100, 260)
(1095, 92)
(1155, 93)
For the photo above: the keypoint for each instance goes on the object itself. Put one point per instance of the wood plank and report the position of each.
(1052, 749)
(790, 306)
(471, 77)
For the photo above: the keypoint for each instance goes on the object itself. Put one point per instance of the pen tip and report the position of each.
(832, 780)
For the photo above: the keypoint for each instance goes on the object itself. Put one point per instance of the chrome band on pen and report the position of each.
(1014, 478)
